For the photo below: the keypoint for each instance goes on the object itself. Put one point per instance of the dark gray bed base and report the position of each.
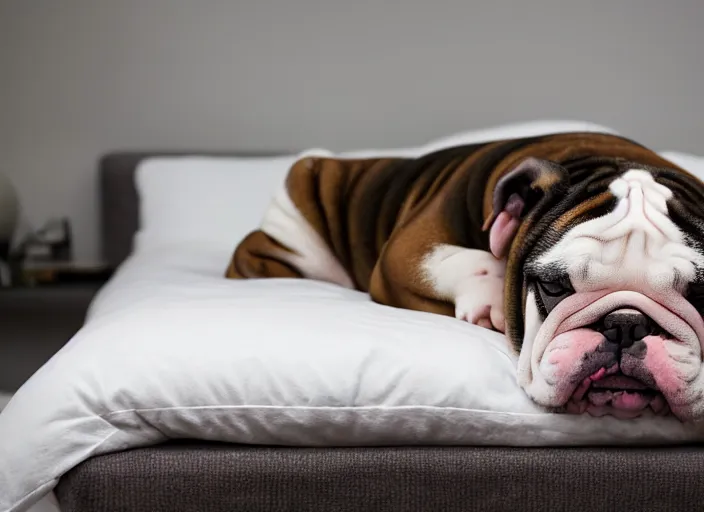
(204, 477)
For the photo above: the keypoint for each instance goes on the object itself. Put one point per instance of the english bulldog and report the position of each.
(585, 249)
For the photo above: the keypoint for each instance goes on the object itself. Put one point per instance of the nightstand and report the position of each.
(36, 321)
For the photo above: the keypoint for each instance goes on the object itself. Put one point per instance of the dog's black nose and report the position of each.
(626, 326)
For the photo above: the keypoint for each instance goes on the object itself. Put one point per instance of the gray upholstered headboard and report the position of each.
(119, 202)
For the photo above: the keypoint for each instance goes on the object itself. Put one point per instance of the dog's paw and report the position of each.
(473, 280)
(485, 315)
(482, 307)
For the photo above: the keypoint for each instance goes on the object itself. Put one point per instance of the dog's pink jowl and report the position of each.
(589, 374)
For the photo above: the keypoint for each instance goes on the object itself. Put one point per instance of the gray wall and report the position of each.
(80, 77)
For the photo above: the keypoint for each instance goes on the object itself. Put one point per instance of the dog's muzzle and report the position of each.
(618, 386)
(620, 353)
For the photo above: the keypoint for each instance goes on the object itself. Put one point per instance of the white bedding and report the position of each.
(171, 349)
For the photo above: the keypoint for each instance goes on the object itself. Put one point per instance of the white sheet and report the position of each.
(172, 350)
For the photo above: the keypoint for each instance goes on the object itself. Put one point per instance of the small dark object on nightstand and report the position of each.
(53, 273)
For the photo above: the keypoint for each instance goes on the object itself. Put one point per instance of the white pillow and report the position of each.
(202, 198)
(172, 350)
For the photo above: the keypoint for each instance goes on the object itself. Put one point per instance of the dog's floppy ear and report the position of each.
(530, 183)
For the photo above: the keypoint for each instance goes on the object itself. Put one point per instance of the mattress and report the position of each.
(207, 476)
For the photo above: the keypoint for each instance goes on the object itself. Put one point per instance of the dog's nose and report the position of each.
(626, 326)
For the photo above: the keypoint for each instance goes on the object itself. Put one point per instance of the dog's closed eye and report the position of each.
(551, 293)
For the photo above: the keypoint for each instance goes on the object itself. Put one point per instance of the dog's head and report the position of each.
(605, 285)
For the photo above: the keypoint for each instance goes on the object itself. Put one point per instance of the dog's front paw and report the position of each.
(478, 309)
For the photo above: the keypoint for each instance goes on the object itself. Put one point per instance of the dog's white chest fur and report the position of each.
(634, 246)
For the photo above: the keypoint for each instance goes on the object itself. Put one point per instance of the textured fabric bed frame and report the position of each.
(208, 477)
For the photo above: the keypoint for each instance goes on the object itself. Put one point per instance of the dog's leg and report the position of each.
(440, 278)
(472, 279)
(259, 255)
(286, 246)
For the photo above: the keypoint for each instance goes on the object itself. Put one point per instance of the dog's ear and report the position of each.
(530, 183)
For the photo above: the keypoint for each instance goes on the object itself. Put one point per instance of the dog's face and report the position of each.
(605, 290)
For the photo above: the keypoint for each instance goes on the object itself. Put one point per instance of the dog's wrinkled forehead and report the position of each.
(634, 242)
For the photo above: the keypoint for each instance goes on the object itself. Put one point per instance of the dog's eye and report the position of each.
(556, 288)
(551, 293)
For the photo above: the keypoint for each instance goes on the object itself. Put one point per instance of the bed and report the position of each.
(443, 457)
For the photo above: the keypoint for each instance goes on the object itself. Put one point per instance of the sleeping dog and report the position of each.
(585, 249)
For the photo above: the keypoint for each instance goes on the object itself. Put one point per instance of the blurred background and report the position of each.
(82, 77)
